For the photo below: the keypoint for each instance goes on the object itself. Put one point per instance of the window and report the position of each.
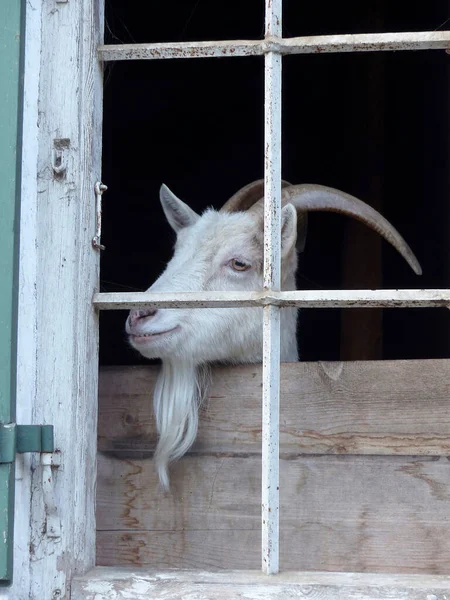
(272, 299)
(58, 326)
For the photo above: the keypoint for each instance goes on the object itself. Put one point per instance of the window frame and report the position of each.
(273, 47)
(64, 50)
(57, 345)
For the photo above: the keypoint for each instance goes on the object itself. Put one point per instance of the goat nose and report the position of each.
(136, 315)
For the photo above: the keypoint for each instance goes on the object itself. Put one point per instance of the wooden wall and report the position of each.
(365, 471)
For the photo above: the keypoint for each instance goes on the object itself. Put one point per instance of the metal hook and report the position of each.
(99, 189)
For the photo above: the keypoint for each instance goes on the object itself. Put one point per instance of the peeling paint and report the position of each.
(273, 42)
(408, 298)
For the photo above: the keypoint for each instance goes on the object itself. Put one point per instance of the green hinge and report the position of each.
(17, 439)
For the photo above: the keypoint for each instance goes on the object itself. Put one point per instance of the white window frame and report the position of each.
(273, 47)
(58, 323)
(57, 363)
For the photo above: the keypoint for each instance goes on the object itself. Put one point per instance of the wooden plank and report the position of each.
(27, 343)
(57, 325)
(337, 513)
(431, 298)
(388, 407)
(363, 42)
(354, 513)
(240, 549)
(135, 584)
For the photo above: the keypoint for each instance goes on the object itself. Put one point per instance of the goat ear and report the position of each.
(177, 212)
(288, 229)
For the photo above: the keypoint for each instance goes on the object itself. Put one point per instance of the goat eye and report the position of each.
(239, 265)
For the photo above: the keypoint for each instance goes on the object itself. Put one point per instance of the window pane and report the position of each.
(183, 20)
(369, 125)
(372, 16)
(196, 126)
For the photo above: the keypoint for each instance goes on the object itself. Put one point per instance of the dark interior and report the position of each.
(373, 124)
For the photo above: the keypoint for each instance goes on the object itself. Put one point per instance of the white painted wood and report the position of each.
(57, 354)
(136, 584)
(26, 331)
(270, 480)
(158, 51)
(302, 298)
(364, 42)
(272, 172)
(368, 42)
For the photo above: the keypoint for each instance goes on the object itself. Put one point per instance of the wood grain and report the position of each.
(350, 513)
(364, 473)
(379, 407)
(136, 584)
(57, 324)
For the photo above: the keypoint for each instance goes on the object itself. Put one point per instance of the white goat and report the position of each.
(224, 251)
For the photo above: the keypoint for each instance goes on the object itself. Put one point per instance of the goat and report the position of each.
(223, 250)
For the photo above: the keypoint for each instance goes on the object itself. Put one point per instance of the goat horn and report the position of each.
(247, 196)
(321, 198)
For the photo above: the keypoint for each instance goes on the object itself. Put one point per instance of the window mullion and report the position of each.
(271, 321)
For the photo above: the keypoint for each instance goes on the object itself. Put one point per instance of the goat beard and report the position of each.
(180, 389)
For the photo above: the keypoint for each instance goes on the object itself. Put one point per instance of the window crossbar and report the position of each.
(411, 298)
(317, 44)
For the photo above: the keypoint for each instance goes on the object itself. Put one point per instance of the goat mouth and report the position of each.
(141, 338)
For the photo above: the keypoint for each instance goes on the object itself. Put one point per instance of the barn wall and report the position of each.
(365, 474)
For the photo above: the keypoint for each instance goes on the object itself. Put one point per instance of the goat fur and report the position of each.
(188, 340)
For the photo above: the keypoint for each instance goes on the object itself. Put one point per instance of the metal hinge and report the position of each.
(18, 439)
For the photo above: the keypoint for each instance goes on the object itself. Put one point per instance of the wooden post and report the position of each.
(57, 325)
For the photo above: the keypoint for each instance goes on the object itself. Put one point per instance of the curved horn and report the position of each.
(246, 197)
(321, 198)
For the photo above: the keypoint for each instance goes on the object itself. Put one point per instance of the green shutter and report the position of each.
(11, 42)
